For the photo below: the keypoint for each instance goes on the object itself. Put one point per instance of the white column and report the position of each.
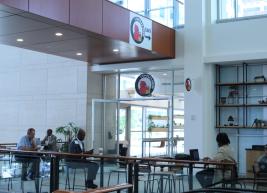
(199, 102)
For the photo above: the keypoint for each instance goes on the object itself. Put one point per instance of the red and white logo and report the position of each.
(144, 85)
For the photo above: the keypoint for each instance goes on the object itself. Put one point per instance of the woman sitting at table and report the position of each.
(224, 154)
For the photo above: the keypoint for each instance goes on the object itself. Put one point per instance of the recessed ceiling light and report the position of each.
(115, 50)
(58, 34)
(79, 54)
(164, 74)
(20, 40)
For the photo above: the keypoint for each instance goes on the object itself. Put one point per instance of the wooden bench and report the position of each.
(117, 188)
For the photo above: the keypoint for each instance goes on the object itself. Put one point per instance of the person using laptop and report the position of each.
(29, 163)
(50, 141)
(77, 147)
(224, 153)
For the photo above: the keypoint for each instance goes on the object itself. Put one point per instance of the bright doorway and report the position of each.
(145, 126)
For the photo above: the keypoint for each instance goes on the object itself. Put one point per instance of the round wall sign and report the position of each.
(188, 84)
(144, 85)
(137, 30)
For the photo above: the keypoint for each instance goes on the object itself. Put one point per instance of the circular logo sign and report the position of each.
(188, 84)
(137, 30)
(144, 85)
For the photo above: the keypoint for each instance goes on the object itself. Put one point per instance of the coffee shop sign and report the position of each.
(144, 85)
(140, 33)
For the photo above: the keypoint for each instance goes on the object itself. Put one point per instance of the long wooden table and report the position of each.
(133, 163)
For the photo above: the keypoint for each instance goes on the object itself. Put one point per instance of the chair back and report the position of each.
(233, 168)
(162, 144)
(123, 150)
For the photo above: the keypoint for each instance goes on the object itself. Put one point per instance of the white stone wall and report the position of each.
(39, 90)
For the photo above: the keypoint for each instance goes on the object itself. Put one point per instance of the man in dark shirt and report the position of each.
(50, 141)
(77, 146)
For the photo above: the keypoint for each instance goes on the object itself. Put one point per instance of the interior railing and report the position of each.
(55, 172)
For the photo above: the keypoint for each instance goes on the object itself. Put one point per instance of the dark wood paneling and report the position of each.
(86, 14)
(115, 21)
(96, 48)
(56, 10)
(163, 40)
(20, 4)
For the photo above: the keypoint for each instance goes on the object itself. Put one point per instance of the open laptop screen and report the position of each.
(38, 141)
(194, 154)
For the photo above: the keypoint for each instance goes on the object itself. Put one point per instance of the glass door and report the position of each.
(105, 131)
(136, 130)
(142, 125)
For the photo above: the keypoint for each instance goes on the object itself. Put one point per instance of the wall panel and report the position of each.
(57, 10)
(86, 14)
(163, 39)
(115, 21)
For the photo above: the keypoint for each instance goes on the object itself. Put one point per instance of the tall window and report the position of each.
(232, 9)
(166, 12)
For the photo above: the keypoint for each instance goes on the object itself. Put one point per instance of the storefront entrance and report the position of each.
(143, 126)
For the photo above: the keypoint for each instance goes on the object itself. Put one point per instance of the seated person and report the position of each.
(77, 146)
(50, 141)
(261, 163)
(30, 165)
(260, 169)
(224, 153)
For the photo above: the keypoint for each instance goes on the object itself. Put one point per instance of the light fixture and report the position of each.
(58, 34)
(20, 40)
(164, 74)
(115, 50)
(79, 54)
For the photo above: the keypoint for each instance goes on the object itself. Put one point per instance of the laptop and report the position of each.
(38, 141)
(194, 155)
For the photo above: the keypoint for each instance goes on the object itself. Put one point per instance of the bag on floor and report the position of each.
(205, 177)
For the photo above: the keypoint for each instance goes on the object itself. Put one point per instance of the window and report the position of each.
(166, 12)
(233, 9)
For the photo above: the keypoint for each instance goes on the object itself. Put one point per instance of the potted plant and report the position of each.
(69, 131)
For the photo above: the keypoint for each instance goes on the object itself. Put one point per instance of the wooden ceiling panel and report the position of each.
(16, 24)
(91, 10)
(165, 38)
(115, 21)
(96, 44)
(56, 10)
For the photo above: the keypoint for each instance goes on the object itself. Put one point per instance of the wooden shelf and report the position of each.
(256, 105)
(158, 117)
(159, 129)
(229, 127)
(241, 83)
(230, 84)
(178, 116)
(178, 127)
(230, 105)
(241, 105)
(255, 83)
(241, 127)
